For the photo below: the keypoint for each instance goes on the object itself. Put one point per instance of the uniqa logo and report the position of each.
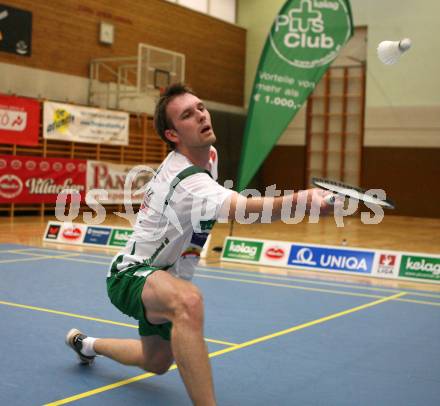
(243, 248)
(305, 256)
(343, 262)
(318, 28)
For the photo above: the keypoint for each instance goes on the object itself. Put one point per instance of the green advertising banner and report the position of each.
(120, 236)
(244, 250)
(305, 37)
(419, 267)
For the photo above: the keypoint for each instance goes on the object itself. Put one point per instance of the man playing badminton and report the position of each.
(150, 278)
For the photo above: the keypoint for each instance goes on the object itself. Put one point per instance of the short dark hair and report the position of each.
(161, 121)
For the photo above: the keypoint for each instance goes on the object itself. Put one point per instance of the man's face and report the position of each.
(191, 121)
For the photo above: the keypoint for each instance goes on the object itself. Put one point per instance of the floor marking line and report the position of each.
(226, 343)
(230, 349)
(228, 271)
(256, 282)
(87, 261)
(56, 255)
(337, 292)
(309, 324)
(19, 251)
(79, 316)
(423, 302)
(283, 285)
(109, 257)
(342, 292)
(103, 389)
(312, 282)
(9, 261)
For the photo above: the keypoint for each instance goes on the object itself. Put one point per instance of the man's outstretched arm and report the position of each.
(274, 208)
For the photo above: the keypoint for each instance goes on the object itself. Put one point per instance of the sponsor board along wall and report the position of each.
(334, 259)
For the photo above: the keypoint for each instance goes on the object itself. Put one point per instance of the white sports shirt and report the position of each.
(180, 207)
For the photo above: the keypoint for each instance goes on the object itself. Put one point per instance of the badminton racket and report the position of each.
(345, 190)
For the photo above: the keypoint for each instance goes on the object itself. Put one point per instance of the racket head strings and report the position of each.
(350, 191)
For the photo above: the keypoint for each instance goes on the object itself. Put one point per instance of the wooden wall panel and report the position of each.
(410, 176)
(285, 167)
(65, 39)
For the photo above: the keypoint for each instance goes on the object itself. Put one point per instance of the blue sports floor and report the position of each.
(273, 340)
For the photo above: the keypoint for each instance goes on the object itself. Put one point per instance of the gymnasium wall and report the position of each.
(402, 115)
(65, 39)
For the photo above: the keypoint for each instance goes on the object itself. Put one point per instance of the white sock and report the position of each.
(87, 346)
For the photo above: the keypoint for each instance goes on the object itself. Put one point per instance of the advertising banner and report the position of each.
(67, 122)
(83, 234)
(304, 39)
(420, 267)
(242, 249)
(97, 235)
(328, 258)
(275, 253)
(331, 259)
(19, 120)
(112, 178)
(387, 264)
(28, 179)
(67, 233)
(119, 237)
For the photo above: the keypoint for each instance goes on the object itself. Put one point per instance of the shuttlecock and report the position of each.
(389, 52)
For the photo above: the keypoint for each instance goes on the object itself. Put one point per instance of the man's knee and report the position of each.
(158, 365)
(189, 305)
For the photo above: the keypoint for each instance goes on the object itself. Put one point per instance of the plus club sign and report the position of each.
(301, 18)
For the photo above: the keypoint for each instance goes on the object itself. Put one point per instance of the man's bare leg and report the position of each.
(150, 353)
(169, 298)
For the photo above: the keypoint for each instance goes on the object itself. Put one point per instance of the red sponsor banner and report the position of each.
(28, 179)
(19, 120)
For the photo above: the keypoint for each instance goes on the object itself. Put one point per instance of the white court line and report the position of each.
(9, 261)
(311, 282)
(230, 349)
(250, 281)
(267, 276)
(99, 320)
(247, 274)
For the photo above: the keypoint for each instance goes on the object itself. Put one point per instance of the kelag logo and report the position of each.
(420, 267)
(120, 237)
(331, 259)
(306, 24)
(97, 235)
(243, 249)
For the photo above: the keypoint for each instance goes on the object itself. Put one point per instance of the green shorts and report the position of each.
(124, 289)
